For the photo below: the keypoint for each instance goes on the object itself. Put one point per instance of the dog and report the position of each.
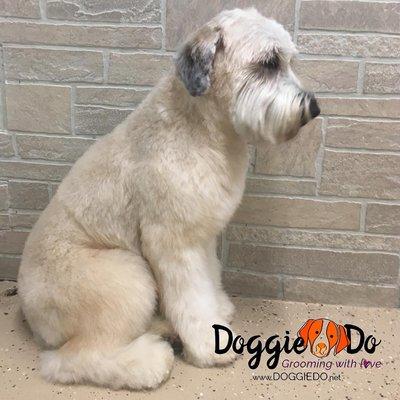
(323, 335)
(133, 226)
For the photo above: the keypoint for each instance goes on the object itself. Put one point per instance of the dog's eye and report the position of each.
(317, 332)
(271, 63)
(331, 336)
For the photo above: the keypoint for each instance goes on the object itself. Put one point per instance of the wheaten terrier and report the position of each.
(134, 223)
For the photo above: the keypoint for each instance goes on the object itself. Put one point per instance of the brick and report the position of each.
(20, 8)
(38, 108)
(183, 17)
(27, 32)
(123, 97)
(383, 218)
(28, 195)
(265, 185)
(295, 157)
(12, 242)
(52, 148)
(327, 75)
(23, 220)
(298, 213)
(327, 264)
(94, 120)
(294, 237)
(6, 146)
(382, 78)
(360, 175)
(382, 135)
(33, 170)
(139, 11)
(360, 107)
(53, 65)
(138, 69)
(371, 16)
(9, 267)
(4, 221)
(252, 285)
(330, 292)
(4, 198)
(349, 45)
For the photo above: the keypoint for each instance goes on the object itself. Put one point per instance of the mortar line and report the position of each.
(360, 78)
(163, 6)
(336, 57)
(320, 157)
(106, 65)
(313, 230)
(248, 271)
(63, 22)
(338, 250)
(43, 11)
(297, 6)
(327, 32)
(324, 198)
(124, 50)
(363, 216)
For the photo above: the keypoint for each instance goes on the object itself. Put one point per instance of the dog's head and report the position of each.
(242, 60)
(323, 335)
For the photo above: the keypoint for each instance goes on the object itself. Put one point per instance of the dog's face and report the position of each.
(323, 335)
(243, 61)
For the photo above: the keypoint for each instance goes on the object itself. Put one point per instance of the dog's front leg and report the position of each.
(225, 306)
(189, 299)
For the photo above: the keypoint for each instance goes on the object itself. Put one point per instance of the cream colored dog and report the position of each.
(135, 221)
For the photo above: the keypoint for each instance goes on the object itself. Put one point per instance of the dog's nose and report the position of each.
(314, 108)
(321, 346)
(310, 107)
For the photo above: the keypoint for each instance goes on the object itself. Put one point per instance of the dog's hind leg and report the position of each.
(96, 310)
(143, 363)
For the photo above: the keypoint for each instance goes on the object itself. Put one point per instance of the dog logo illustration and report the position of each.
(323, 335)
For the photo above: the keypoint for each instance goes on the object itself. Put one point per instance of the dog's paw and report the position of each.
(151, 367)
(200, 351)
(207, 359)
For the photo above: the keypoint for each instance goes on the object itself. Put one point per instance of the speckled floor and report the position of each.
(19, 376)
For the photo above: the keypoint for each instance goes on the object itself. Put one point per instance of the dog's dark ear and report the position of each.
(194, 61)
(343, 340)
(304, 331)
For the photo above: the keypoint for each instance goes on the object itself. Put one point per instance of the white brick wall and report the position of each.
(320, 219)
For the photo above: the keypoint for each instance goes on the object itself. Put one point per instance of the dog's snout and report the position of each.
(321, 346)
(314, 108)
(310, 108)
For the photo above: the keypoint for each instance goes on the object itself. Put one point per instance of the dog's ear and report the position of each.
(194, 61)
(343, 340)
(304, 330)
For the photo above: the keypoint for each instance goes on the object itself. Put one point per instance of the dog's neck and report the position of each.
(205, 109)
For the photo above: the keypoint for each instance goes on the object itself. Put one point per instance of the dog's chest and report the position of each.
(215, 187)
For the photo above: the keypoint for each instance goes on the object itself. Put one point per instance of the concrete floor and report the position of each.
(20, 379)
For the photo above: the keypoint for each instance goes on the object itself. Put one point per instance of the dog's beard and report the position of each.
(268, 111)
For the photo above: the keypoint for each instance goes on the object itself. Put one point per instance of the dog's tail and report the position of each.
(142, 364)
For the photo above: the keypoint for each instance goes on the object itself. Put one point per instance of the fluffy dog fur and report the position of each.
(135, 221)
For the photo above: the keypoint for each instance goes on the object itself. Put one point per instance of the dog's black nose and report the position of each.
(314, 108)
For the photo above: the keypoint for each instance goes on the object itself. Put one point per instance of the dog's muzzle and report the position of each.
(310, 108)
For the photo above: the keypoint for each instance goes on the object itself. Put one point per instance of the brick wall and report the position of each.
(321, 217)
